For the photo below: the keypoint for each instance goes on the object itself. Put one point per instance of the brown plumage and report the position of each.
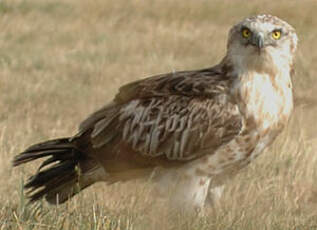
(196, 126)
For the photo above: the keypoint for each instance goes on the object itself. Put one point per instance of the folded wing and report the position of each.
(180, 116)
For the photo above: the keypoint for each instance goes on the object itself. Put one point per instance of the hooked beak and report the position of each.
(258, 41)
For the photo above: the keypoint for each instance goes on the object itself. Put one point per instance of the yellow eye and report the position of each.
(276, 34)
(246, 33)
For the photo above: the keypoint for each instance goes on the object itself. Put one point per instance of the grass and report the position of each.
(61, 60)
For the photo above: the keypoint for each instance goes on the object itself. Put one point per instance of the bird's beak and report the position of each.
(258, 41)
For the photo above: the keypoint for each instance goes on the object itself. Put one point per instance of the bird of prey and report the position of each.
(192, 130)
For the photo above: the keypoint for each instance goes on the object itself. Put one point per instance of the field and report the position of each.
(62, 59)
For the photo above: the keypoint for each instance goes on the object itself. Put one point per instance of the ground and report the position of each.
(61, 60)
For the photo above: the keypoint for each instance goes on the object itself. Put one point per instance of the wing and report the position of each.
(180, 115)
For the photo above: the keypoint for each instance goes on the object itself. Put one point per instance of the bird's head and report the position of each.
(262, 42)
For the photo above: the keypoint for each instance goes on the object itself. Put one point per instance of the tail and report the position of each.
(65, 172)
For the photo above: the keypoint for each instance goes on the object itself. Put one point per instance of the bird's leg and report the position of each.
(214, 194)
(182, 189)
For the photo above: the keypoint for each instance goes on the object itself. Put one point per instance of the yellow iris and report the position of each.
(276, 34)
(246, 33)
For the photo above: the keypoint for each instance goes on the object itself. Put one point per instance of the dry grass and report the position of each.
(60, 60)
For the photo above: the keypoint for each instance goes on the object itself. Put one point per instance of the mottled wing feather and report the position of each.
(180, 115)
(187, 83)
(201, 83)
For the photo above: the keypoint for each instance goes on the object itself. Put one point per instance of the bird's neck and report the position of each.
(264, 96)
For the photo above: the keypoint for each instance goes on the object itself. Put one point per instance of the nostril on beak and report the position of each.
(259, 41)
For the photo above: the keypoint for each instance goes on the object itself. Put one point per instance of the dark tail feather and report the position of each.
(60, 176)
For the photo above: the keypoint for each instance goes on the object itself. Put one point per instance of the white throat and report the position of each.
(264, 86)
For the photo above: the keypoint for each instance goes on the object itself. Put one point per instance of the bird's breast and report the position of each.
(265, 101)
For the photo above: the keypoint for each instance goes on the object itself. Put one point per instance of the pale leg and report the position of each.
(183, 190)
(214, 194)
